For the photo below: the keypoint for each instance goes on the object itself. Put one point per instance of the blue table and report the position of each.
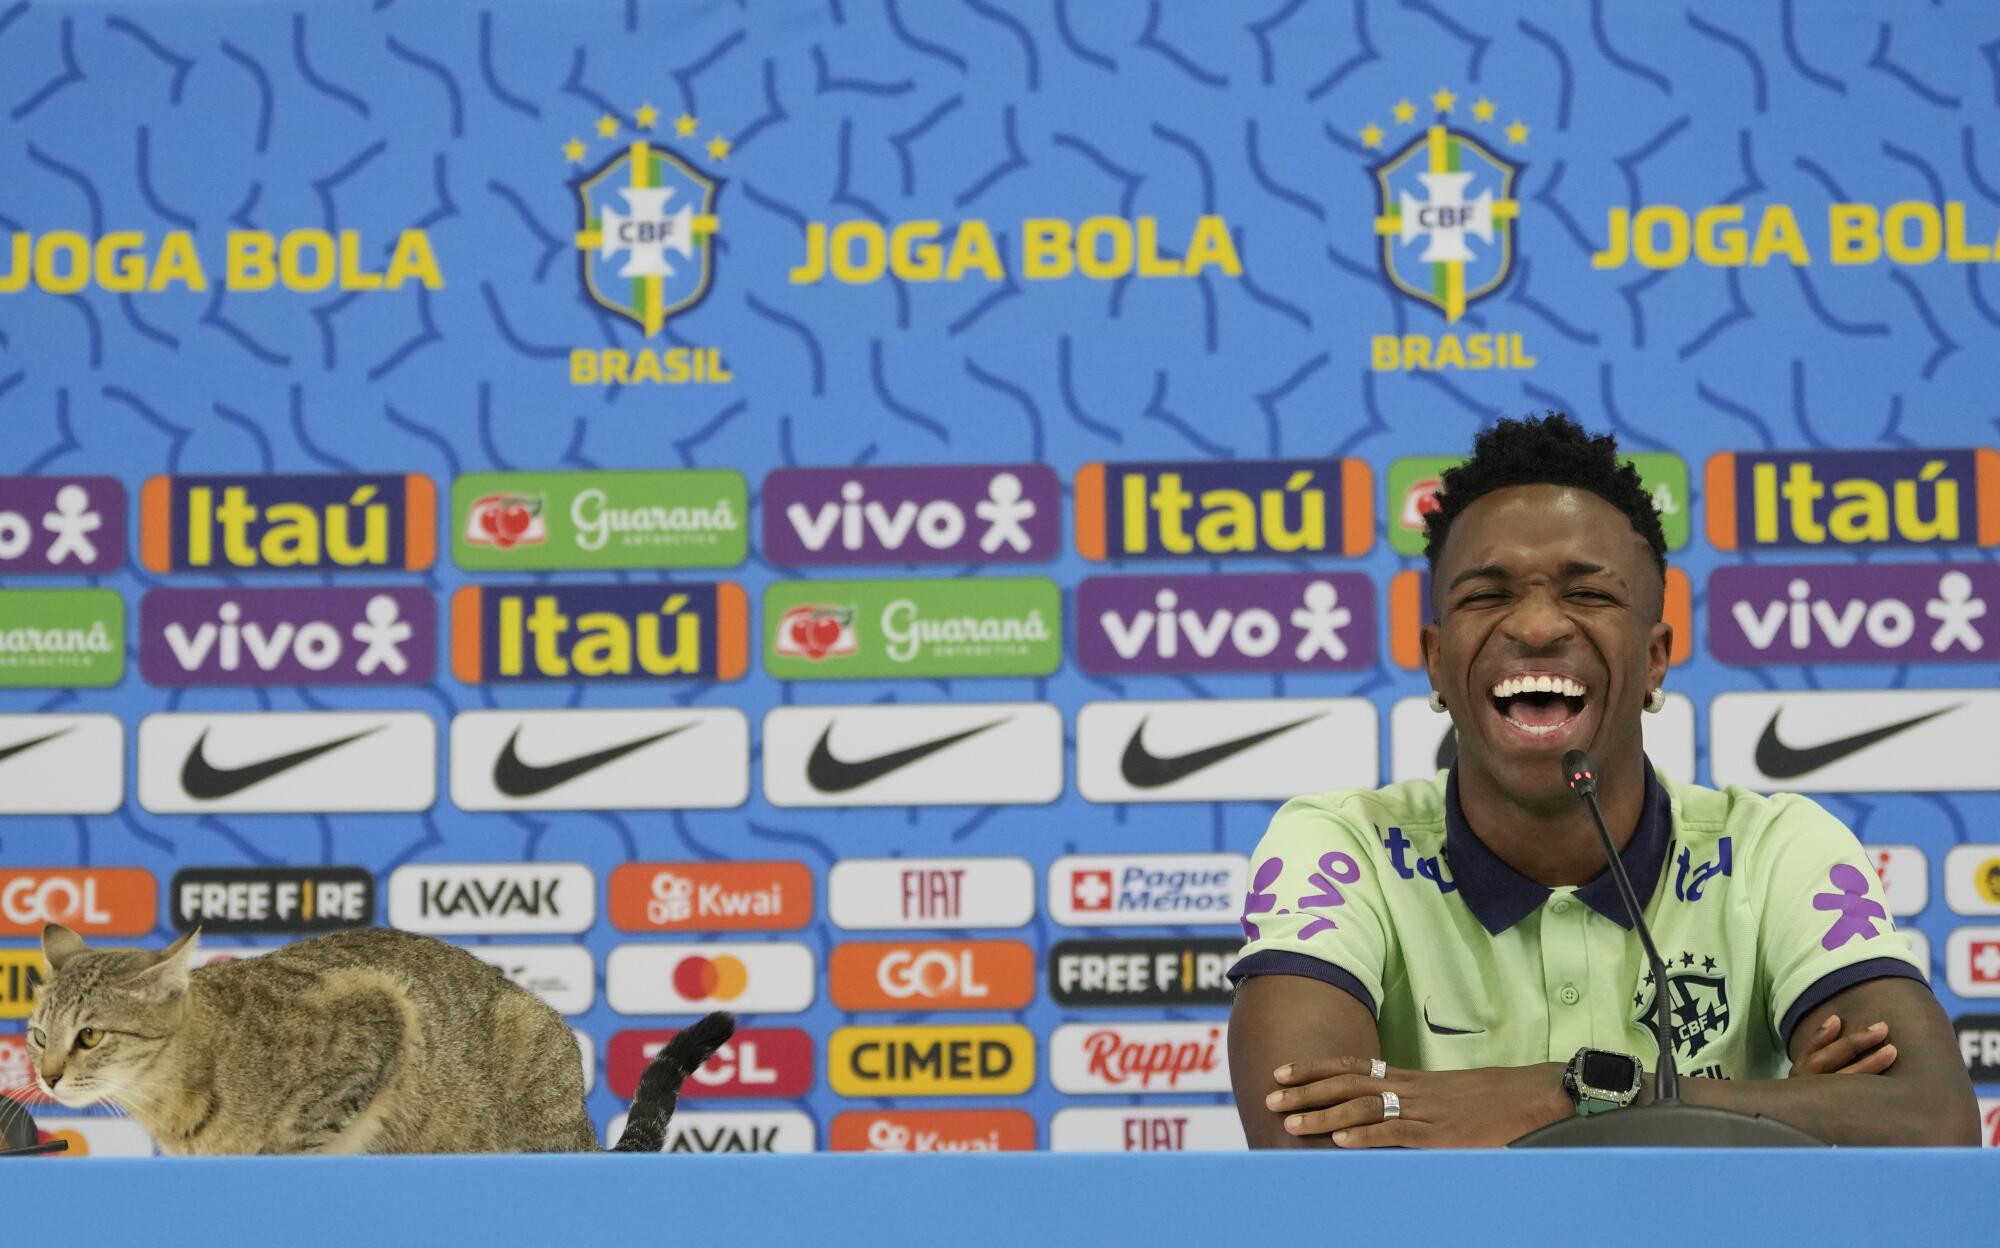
(1674, 1199)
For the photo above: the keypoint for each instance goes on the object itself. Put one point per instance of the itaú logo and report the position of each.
(932, 974)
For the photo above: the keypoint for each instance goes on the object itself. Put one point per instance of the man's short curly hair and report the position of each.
(1550, 449)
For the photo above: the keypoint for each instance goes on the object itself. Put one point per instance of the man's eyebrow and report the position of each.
(1500, 572)
(1485, 571)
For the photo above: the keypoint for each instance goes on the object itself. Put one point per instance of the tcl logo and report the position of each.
(959, 975)
(757, 1061)
(105, 901)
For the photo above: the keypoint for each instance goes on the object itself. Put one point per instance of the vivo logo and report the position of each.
(1881, 613)
(287, 636)
(1002, 513)
(1262, 622)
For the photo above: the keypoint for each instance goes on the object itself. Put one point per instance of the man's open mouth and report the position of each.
(1540, 705)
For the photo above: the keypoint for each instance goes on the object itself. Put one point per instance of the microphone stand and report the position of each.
(18, 1134)
(1666, 1122)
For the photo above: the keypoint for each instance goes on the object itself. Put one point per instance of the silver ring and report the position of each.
(1377, 1068)
(1392, 1106)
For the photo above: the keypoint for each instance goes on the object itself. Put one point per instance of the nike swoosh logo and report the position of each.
(206, 782)
(9, 751)
(1438, 1030)
(1145, 770)
(1783, 762)
(518, 779)
(832, 775)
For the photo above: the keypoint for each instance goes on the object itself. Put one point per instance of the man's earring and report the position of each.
(1437, 702)
(1656, 701)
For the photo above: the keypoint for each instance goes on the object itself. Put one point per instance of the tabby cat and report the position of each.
(365, 1041)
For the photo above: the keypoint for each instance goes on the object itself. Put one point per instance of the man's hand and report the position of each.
(1866, 1051)
(1485, 1108)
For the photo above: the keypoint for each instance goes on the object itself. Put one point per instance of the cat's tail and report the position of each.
(660, 1086)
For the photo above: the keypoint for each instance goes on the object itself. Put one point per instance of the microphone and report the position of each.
(1582, 778)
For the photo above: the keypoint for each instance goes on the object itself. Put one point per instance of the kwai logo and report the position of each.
(1414, 482)
(711, 896)
(1138, 1057)
(689, 631)
(645, 241)
(1444, 189)
(73, 525)
(951, 513)
(1212, 508)
(1759, 499)
(929, 628)
(1254, 622)
(330, 523)
(332, 636)
(1830, 613)
(677, 518)
(61, 638)
(493, 899)
(933, 1131)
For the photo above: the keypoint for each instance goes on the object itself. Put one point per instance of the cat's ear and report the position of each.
(59, 945)
(168, 975)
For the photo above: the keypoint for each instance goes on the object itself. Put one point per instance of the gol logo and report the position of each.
(933, 1131)
(757, 1061)
(711, 896)
(21, 974)
(961, 975)
(996, 1060)
(104, 901)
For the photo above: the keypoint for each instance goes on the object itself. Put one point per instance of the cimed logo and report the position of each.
(1447, 210)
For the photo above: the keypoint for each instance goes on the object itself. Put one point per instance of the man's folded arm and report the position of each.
(1280, 1018)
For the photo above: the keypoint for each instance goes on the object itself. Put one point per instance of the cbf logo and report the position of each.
(1445, 214)
(1697, 1004)
(646, 244)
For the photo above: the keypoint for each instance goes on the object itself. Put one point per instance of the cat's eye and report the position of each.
(89, 1038)
(40, 1037)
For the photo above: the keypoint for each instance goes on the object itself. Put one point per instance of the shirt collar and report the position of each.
(1499, 896)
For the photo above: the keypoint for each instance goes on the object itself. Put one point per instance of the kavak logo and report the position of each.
(646, 243)
(891, 894)
(307, 636)
(711, 896)
(1854, 741)
(1833, 613)
(600, 759)
(955, 514)
(95, 901)
(1225, 508)
(954, 975)
(775, 978)
(935, 628)
(562, 975)
(1142, 972)
(1905, 873)
(1414, 482)
(1972, 961)
(1138, 1057)
(677, 518)
(21, 975)
(959, 1060)
(1833, 499)
(1979, 1045)
(1972, 879)
(493, 899)
(1254, 622)
(1166, 890)
(765, 1131)
(690, 631)
(933, 1131)
(61, 764)
(947, 754)
(61, 638)
(67, 525)
(271, 901)
(281, 761)
(1422, 743)
(765, 1062)
(1178, 1129)
(1410, 608)
(324, 523)
(1219, 750)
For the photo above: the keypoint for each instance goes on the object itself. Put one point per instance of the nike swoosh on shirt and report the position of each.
(206, 782)
(1783, 762)
(1145, 770)
(519, 779)
(9, 751)
(1439, 1030)
(833, 775)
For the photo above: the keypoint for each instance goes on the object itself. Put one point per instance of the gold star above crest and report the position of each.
(718, 148)
(574, 151)
(1443, 100)
(1517, 135)
(685, 124)
(1371, 135)
(646, 116)
(1406, 112)
(607, 126)
(1483, 110)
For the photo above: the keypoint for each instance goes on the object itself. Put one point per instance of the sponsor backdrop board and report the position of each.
(894, 499)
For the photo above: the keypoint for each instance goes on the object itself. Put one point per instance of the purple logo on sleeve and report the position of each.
(1858, 911)
(1257, 622)
(1326, 892)
(959, 513)
(345, 636)
(73, 525)
(1878, 613)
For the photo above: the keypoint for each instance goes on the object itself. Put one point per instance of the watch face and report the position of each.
(1610, 1072)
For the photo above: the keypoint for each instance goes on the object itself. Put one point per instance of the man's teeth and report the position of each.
(1515, 685)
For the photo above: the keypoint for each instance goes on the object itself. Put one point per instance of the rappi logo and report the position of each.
(1831, 499)
(506, 521)
(757, 1062)
(1213, 509)
(816, 631)
(933, 1131)
(1150, 1057)
(323, 523)
(1831, 613)
(690, 631)
(62, 524)
(711, 896)
(95, 901)
(946, 513)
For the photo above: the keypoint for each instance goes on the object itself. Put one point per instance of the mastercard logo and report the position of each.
(78, 1146)
(721, 978)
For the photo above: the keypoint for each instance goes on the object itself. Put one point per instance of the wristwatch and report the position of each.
(1598, 1079)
